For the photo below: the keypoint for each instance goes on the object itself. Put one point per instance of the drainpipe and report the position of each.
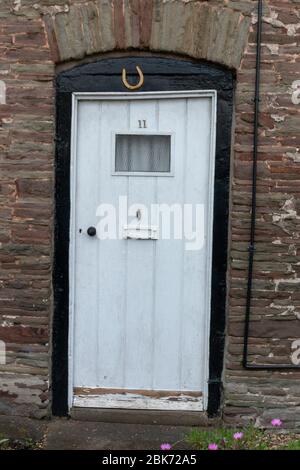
(251, 248)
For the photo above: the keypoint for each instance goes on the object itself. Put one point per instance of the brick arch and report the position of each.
(201, 30)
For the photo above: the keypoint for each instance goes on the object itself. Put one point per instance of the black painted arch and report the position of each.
(161, 74)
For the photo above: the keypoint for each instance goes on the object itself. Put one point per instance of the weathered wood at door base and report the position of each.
(146, 393)
(132, 401)
(174, 418)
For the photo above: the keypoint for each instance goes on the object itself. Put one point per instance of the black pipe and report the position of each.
(253, 209)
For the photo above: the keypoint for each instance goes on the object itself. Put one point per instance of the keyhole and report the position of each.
(138, 214)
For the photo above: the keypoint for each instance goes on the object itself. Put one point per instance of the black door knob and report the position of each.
(91, 231)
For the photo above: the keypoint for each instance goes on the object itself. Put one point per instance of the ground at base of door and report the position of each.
(68, 434)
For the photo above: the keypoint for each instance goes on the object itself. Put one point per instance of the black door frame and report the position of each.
(161, 74)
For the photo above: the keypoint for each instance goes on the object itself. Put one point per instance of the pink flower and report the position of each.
(165, 446)
(238, 435)
(213, 446)
(276, 423)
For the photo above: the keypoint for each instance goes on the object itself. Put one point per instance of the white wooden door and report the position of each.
(140, 300)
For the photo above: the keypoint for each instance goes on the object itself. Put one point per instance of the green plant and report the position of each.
(292, 445)
(17, 444)
(3, 442)
(249, 438)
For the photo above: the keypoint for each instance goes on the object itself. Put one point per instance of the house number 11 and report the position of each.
(142, 124)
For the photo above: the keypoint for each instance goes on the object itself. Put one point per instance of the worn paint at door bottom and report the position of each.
(138, 399)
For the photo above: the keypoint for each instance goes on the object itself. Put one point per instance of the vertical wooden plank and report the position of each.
(168, 258)
(196, 283)
(140, 272)
(111, 287)
(85, 285)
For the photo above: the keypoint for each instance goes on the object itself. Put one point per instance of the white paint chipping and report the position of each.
(291, 29)
(132, 401)
(289, 212)
(17, 5)
(273, 48)
(294, 156)
(286, 310)
(296, 92)
(277, 118)
(2, 353)
(2, 92)
(295, 356)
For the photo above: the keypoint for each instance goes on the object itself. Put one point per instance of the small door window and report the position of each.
(142, 154)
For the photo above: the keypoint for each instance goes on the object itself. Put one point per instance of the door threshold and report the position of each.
(138, 399)
(170, 418)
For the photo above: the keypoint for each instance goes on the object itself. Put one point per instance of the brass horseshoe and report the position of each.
(138, 85)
